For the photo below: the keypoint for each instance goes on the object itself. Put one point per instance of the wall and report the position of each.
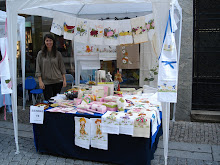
(183, 106)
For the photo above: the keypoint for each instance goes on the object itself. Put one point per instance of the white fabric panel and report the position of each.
(111, 33)
(86, 65)
(125, 34)
(81, 30)
(96, 31)
(69, 30)
(57, 24)
(139, 31)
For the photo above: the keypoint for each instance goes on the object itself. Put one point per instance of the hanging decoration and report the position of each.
(96, 31)
(168, 71)
(139, 30)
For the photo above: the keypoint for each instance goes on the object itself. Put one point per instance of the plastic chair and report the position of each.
(30, 84)
(69, 79)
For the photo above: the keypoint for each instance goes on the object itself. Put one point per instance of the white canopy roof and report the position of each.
(82, 8)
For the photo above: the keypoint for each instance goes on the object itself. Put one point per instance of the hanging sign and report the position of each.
(37, 114)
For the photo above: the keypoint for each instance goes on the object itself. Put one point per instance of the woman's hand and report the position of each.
(64, 83)
(41, 85)
(64, 80)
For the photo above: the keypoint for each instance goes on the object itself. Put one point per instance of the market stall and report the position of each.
(82, 8)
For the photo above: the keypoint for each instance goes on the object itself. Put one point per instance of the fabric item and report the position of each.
(98, 139)
(139, 30)
(86, 49)
(6, 83)
(126, 123)
(148, 65)
(81, 30)
(125, 34)
(96, 31)
(107, 53)
(121, 104)
(128, 57)
(52, 90)
(150, 25)
(142, 126)
(111, 33)
(69, 27)
(168, 67)
(50, 69)
(110, 86)
(90, 64)
(57, 24)
(7, 99)
(110, 122)
(82, 132)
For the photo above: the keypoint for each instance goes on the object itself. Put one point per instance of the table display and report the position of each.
(56, 136)
(122, 129)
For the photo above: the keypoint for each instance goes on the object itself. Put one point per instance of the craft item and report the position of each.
(128, 57)
(80, 94)
(77, 101)
(81, 32)
(107, 53)
(111, 33)
(42, 105)
(111, 106)
(139, 30)
(81, 106)
(168, 70)
(57, 24)
(111, 99)
(69, 27)
(109, 77)
(121, 104)
(82, 132)
(110, 88)
(150, 26)
(98, 138)
(5, 77)
(101, 99)
(110, 122)
(125, 34)
(126, 123)
(98, 108)
(141, 126)
(96, 31)
(119, 79)
(84, 111)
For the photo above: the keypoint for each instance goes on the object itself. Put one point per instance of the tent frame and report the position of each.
(34, 7)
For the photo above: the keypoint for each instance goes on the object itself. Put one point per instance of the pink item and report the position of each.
(96, 102)
(102, 108)
(77, 101)
(111, 106)
(100, 99)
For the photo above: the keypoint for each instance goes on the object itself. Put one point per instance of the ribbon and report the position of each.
(169, 63)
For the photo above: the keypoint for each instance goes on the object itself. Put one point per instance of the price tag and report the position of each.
(37, 114)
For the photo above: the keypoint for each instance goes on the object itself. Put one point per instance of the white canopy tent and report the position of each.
(83, 9)
(20, 36)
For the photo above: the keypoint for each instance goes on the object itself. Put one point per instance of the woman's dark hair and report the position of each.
(44, 47)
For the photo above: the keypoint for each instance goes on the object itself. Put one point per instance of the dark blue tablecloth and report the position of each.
(56, 136)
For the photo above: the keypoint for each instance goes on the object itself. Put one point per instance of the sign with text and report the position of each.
(37, 114)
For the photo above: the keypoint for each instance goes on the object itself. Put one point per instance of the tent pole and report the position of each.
(80, 9)
(12, 41)
(165, 119)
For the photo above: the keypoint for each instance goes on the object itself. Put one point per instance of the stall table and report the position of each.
(56, 136)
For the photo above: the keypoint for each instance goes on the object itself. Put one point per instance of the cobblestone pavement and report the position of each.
(195, 132)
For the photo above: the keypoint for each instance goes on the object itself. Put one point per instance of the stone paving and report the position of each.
(203, 148)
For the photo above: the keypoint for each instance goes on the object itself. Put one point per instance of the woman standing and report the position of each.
(50, 68)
